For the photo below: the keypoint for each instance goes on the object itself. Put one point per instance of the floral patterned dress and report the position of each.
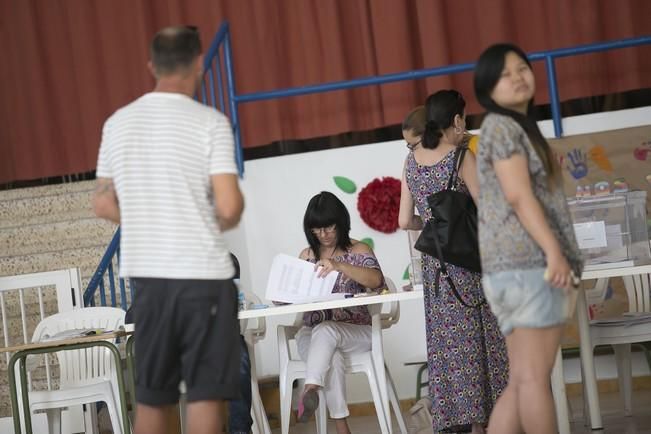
(466, 353)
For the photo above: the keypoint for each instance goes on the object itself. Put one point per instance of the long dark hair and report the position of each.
(324, 210)
(440, 109)
(488, 71)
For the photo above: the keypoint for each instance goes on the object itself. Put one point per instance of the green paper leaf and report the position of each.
(345, 184)
(405, 275)
(369, 242)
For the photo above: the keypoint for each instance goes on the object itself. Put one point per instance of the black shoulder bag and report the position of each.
(451, 234)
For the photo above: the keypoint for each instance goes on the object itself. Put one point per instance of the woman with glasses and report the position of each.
(327, 336)
(466, 354)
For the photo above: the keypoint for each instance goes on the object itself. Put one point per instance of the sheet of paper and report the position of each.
(293, 280)
(71, 333)
(591, 235)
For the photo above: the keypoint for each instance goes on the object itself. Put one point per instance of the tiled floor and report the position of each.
(613, 414)
(611, 409)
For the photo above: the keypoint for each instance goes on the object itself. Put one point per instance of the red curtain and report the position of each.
(68, 64)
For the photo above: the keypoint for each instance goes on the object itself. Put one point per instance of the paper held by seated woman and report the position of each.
(294, 280)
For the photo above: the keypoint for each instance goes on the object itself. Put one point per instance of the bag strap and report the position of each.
(458, 160)
(442, 271)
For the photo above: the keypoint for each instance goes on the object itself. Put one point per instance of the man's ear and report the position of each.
(152, 69)
(199, 65)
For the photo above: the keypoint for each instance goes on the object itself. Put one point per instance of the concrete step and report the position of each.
(46, 190)
(54, 237)
(29, 211)
(85, 258)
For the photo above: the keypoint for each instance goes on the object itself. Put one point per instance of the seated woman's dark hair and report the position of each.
(440, 109)
(324, 210)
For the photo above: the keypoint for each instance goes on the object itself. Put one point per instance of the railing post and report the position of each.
(203, 90)
(98, 276)
(553, 96)
(220, 83)
(211, 80)
(232, 100)
(112, 285)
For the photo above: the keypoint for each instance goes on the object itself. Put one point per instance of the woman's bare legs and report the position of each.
(527, 403)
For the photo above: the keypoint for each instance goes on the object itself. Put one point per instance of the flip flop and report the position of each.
(307, 406)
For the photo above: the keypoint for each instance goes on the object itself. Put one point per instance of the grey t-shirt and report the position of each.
(504, 243)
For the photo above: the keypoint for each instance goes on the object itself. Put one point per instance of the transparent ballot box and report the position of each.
(611, 230)
(415, 262)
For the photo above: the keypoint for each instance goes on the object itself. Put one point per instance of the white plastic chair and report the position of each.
(86, 376)
(251, 336)
(293, 368)
(620, 335)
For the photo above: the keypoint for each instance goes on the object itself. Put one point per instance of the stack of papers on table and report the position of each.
(72, 333)
(293, 280)
(628, 319)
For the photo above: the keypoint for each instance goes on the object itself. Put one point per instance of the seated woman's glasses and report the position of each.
(327, 230)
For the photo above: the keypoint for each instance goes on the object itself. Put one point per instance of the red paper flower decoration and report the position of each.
(378, 204)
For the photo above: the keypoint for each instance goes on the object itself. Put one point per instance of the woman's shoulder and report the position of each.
(306, 253)
(500, 131)
(410, 160)
(494, 122)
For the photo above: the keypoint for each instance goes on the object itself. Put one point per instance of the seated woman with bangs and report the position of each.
(329, 335)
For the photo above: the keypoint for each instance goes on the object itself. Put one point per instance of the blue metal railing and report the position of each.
(548, 56)
(221, 46)
(98, 280)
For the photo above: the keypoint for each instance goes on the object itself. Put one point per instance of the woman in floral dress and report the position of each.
(466, 353)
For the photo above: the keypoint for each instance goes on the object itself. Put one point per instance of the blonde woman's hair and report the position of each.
(415, 121)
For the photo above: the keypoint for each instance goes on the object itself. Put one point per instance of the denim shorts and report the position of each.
(524, 299)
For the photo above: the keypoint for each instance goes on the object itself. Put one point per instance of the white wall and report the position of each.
(277, 191)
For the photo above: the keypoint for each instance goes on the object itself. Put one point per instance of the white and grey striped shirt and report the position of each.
(160, 151)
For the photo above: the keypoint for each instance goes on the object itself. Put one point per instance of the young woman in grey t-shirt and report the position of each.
(528, 250)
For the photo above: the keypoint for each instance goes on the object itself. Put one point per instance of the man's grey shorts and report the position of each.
(186, 330)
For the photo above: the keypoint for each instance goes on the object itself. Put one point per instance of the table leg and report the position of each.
(121, 389)
(131, 369)
(419, 381)
(13, 392)
(27, 414)
(20, 358)
(377, 350)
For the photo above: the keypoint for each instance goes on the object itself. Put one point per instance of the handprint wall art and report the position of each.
(640, 153)
(598, 154)
(577, 164)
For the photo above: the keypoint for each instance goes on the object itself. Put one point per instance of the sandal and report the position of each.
(307, 405)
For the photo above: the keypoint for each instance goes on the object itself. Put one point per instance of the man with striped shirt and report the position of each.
(166, 173)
